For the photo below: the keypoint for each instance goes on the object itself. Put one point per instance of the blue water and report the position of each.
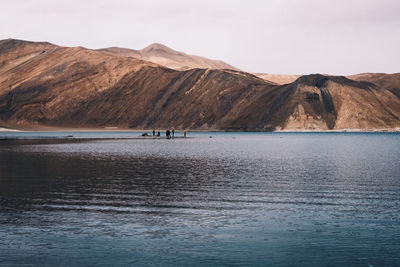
(215, 199)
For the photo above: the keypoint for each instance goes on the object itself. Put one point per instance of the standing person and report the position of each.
(184, 134)
(154, 133)
(158, 134)
(173, 133)
(168, 134)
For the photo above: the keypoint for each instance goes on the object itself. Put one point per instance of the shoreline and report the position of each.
(117, 129)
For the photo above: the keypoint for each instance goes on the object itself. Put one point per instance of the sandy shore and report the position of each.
(71, 129)
(117, 129)
(8, 130)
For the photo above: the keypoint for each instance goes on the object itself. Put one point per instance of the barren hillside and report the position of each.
(42, 84)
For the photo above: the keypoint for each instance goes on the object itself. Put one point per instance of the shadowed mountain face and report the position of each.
(390, 82)
(49, 85)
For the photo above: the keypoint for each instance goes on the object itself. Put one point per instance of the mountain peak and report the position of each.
(157, 47)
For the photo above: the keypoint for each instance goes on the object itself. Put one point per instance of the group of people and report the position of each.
(158, 133)
(168, 133)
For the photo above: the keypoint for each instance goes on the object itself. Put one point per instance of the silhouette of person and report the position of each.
(154, 133)
(168, 134)
(173, 133)
(158, 134)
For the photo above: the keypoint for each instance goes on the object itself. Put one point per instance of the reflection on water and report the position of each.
(234, 199)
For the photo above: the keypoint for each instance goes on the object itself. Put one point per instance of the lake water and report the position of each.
(235, 199)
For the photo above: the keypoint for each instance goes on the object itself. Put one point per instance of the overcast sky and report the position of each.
(272, 36)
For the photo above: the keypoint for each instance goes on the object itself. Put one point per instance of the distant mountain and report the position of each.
(278, 78)
(165, 56)
(42, 84)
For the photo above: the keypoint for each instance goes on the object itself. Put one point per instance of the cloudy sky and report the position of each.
(272, 36)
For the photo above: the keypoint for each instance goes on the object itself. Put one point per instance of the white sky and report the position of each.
(272, 36)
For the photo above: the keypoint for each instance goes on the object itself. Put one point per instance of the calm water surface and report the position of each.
(253, 199)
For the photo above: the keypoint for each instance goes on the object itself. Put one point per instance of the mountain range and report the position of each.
(43, 84)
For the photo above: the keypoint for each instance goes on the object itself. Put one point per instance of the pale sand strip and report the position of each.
(8, 130)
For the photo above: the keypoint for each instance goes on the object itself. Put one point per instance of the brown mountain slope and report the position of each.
(165, 56)
(44, 84)
(390, 82)
(23, 61)
(335, 102)
(61, 86)
(39, 80)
